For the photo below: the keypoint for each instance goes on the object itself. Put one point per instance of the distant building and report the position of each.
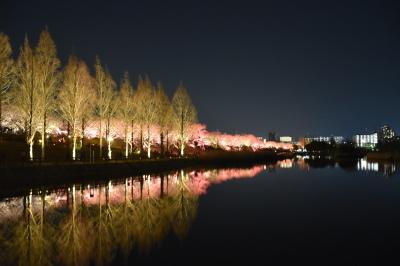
(285, 139)
(366, 140)
(271, 136)
(336, 139)
(386, 133)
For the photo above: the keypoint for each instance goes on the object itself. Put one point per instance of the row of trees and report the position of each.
(37, 87)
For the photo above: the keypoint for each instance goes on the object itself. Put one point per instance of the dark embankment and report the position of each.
(346, 163)
(34, 175)
(345, 152)
(384, 156)
(387, 151)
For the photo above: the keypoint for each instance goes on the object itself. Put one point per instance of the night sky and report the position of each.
(294, 67)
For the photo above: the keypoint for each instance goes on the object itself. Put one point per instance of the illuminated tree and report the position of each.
(147, 110)
(76, 96)
(47, 76)
(105, 87)
(163, 115)
(139, 101)
(88, 114)
(26, 95)
(112, 110)
(126, 107)
(185, 115)
(170, 119)
(6, 72)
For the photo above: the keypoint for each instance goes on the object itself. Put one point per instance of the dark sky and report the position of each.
(294, 67)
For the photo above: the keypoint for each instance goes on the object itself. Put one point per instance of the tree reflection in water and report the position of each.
(89, 224)
(30, 242)
(73, 241)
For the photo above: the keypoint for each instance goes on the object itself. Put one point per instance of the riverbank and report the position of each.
(384, 156)
(36, 174)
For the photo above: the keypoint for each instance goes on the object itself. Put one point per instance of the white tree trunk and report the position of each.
(74, 147)
(109, 148)
(101, 140)
(126, 142)
(148, 143)
(182, 148)
(31, 150)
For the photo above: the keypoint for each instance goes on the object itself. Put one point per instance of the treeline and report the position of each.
(335, 150)
(37, 86)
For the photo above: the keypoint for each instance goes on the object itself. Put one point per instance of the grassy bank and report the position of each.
(36, 174)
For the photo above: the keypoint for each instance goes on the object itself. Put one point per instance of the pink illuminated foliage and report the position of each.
(199, 137)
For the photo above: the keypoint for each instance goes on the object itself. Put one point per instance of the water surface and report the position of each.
(297, 211)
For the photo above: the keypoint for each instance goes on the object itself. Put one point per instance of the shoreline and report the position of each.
(392, 157)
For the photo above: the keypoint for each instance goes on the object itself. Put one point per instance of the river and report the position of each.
(297, 211)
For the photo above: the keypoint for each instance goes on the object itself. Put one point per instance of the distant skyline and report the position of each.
(292, 67)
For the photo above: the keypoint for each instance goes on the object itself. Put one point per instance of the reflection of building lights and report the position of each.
(364, 165)
(110, 139)
(288, 163)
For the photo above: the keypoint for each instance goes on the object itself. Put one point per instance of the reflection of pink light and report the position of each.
(218, 176)
(193, 183)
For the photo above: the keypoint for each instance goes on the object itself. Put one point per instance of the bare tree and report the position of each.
(170, 119)
(163, 105)
(105, 92)
(111, 112)
(186, 115)
(150, 114)
(48, 77)
(143, 98)
(126, 108)
(6, 72)
(76, 96)
(88, 113)
(25, 95)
